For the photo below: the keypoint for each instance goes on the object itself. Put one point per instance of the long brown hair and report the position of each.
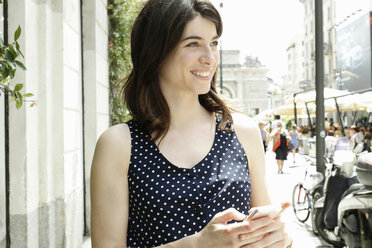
(156, 32)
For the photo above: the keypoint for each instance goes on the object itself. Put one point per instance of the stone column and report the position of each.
(96, 83)
(46, 185)
(47, 154)
(2, 157)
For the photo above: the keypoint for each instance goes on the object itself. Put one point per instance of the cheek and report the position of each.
(189, 58)
(217, 55)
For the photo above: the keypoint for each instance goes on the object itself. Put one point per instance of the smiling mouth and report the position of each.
(205, 74)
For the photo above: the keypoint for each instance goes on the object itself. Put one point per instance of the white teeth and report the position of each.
(201, 74)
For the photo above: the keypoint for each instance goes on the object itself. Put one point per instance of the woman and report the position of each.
(280, 145)
(261, 125)
(356, 139)
(294, 141)
(177, 174)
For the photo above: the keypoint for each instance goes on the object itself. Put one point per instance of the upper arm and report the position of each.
(249, 136)
(109, 188)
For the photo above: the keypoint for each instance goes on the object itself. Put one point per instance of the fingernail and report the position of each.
(243, 237)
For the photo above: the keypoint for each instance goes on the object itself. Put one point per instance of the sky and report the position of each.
(263, 29)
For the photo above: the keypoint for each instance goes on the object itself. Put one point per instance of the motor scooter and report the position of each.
(343, 217)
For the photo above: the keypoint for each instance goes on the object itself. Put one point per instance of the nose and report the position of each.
(208, 56)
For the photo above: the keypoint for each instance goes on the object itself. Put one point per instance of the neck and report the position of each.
(186, 111)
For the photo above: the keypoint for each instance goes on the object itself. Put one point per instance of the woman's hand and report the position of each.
(273, 235)
(219, 234)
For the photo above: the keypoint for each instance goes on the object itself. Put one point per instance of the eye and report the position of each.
(214, 43)
(193, 44)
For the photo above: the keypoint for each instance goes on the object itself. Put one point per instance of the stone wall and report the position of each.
(52, 144)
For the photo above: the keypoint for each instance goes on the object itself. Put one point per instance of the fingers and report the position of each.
(262, 230)
(275, 239)
(286, 204)
(252, 240)
(251, 225)
(228, 215)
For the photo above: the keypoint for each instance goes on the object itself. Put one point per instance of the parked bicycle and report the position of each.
(305, 193)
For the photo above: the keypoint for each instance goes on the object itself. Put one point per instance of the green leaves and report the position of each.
(122, 14)
(16, 95)
(9, 62)
(9, 55)
(28, 95)
(18, 87)
(4, 71)
(17, 33)
(20, 65)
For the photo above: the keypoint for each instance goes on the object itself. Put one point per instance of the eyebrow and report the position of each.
(194, 37)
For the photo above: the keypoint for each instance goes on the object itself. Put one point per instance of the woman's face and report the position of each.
(192, 64)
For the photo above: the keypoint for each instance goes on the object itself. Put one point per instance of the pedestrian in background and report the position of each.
(330, 143)
(262, 126)
(356, 139)
(327, 124)
(293, 143)
(281, 139)
(274, 123)
(368, 139)
(185, 171)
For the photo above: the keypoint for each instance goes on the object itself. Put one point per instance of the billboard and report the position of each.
(353, 53)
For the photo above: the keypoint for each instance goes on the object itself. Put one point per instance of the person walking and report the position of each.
(274, 123)
(293, 143)
(186, 170)
(280, 138)
(262, 125)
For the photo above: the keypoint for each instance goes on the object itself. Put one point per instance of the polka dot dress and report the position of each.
(167, 203)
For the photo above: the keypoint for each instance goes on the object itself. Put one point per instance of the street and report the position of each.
(280, 188)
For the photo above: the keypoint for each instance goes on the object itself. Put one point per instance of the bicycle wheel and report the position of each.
(301, 203)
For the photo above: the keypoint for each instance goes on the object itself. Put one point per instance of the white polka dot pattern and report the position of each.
(168, 202)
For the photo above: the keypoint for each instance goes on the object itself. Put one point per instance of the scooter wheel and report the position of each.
(319, 223)
(316, 196)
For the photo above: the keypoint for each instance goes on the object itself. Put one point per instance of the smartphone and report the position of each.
(272, 211)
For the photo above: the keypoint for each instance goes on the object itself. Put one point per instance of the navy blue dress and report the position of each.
(167, 203)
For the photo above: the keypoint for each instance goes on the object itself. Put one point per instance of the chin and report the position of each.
(203, 90)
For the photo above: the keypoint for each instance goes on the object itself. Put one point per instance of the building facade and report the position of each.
(307, 48)
(245, 85)
(347, 46)
(65, 47)
(296, 75)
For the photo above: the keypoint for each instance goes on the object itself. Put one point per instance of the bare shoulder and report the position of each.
(109, 187)
(244, 125)
(114, 145)
(248, 134)
(118, 134)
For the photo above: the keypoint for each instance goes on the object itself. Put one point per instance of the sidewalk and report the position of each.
(280, 188)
